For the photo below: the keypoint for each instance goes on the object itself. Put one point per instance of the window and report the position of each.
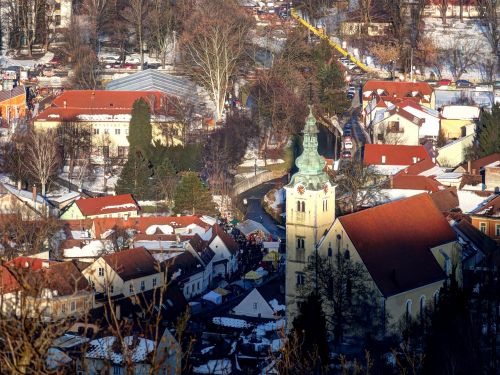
(154, 282)
(383, 159)
(192, 288)
(422, 305)
(100, 272)
(408, 309)
(122, 151)
(117, 131)
(63, 308)
(482, 227)
(106, 131)
(143, 285)
(380, 137)
(58, 20)
(199, 286)
(497, 230)
(111, 289)
(325, 205)
(117, 370)
(126, 131)
(131, 288)
(301, 206)
(96, 131)
(73, 305)
(300, 278)
(300, 242)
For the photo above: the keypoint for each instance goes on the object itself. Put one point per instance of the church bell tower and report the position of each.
(310, 211)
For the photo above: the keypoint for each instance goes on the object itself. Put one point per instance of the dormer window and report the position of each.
(383, 159)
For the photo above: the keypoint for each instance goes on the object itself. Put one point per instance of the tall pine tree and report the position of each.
(164, 180)
(135, 178)
(489, 131)
(192, 196)
(140, 129)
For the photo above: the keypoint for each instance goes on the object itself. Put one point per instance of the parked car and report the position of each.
(129, 65)
(132, 60)
(55, 61)
(464, 83)
(444, 82)
(347, 142)
(346, 155)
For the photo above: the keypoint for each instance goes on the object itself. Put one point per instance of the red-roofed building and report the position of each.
(125, 273)
(107, 115)
(111, 206)
(396, 126)
(390, 159)
(406, 247)
(395, 92)
(52, 290)
(487, 218)
(402, 181)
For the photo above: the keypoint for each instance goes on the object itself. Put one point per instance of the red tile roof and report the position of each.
(394, 154)
(8, 282)
(394, 241)
(417, 168)
(133, 263)
(478, 164)
(401, 181)
(72, 103)
(406, 115)
(490, 209)
(107, 205)
(392, 90)
(446, 200)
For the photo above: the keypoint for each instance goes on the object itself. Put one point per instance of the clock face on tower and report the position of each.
(301, 189)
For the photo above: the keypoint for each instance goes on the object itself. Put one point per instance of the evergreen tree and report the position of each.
(452, 345)
(140, 129)
(489, 131)
(310, 329)
(135, 178)
(193, 196)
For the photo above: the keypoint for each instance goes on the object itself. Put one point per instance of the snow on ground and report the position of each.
(8, 61)
(248, 175)
(231, 322)
(260, 162)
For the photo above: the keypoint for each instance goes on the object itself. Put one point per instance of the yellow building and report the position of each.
(107, 115)
(397, 127)
(310, 210)
(407, 248)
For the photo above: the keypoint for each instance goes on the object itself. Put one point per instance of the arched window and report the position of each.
(436, 297)
(422, 305)
(298, 206)
(303, 206)
(330, 251)
(408, 309)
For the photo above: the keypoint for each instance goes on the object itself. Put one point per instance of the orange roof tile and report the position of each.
(402, 181)
(392, 90)
(8, 282)
(417, 168)
(107, 205)
(394, 154)
(394, 241)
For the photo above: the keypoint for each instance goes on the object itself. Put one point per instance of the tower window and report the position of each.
(300, 243)
(325, 205)
(300, 278)
(301, 206)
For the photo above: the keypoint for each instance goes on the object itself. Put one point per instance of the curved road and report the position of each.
(254, 211)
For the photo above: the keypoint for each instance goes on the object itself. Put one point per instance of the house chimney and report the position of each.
(391, 182)
(65, 104)
(469, 166)
(34, 193)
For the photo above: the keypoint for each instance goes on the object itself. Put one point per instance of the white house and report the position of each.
(125, 273)
(255, 306)
(226, 250)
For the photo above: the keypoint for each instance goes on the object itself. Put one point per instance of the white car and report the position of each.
(133, 60)
(347, 145)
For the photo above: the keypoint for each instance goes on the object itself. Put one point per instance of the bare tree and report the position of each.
(460, 56)
(97, 13)
(135, 14)
(489, 11)
(75, 143)
(386, 55)
(162, 28)
(213, 46)
(359, 185)
(42, 158)
(31, 13)
(443, 8)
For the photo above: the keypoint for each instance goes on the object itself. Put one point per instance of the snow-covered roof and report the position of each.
(248, 227)
(104, 348)
(24, 195)
(469, 200)
(462, 112)
(93, 249)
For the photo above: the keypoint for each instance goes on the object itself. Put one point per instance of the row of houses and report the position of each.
(405, 113)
